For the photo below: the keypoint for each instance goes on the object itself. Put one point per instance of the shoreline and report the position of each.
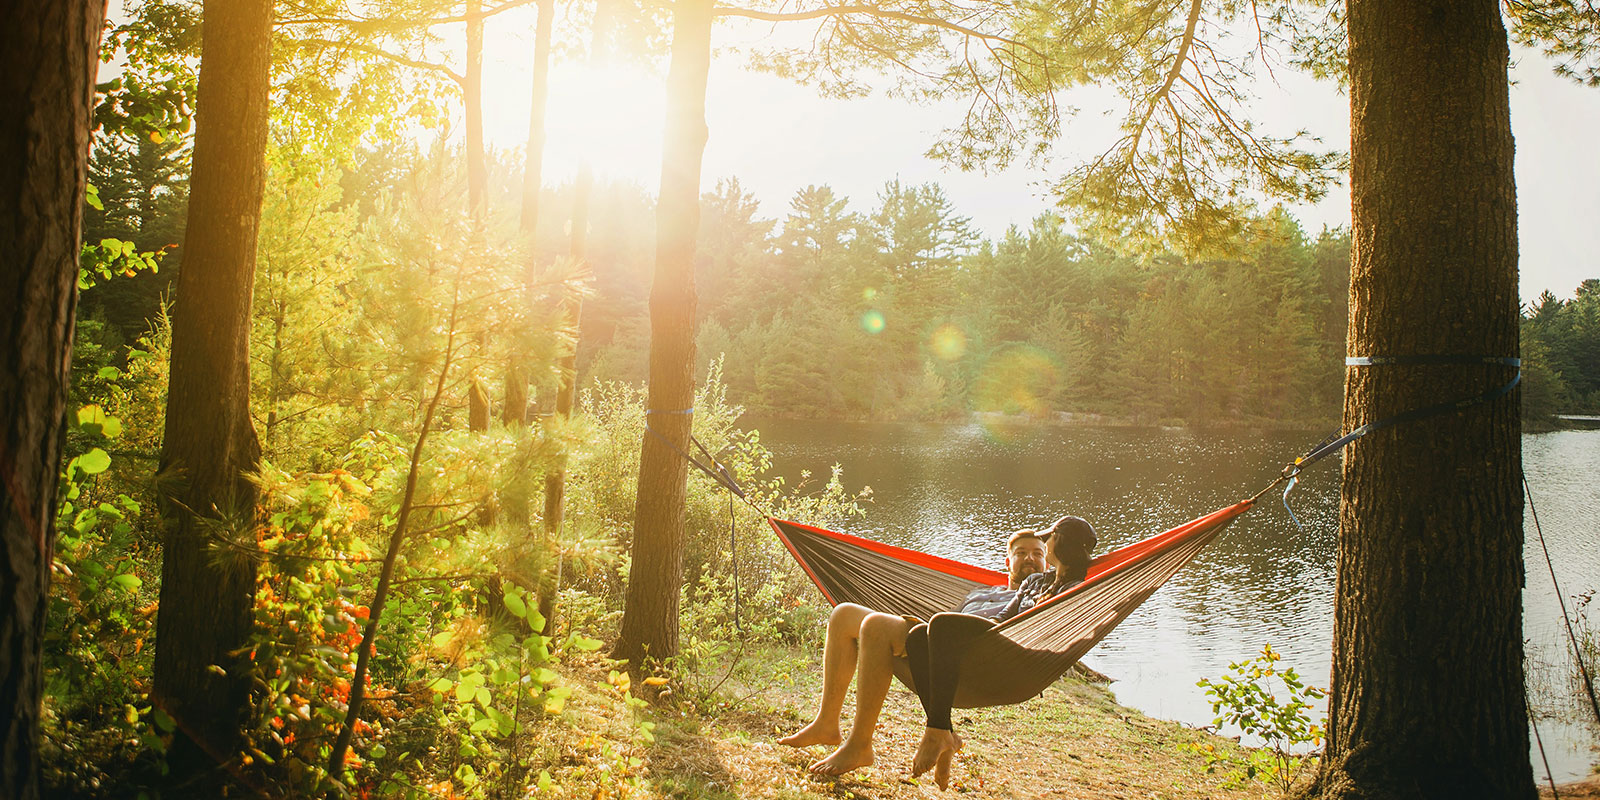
(1084, 419)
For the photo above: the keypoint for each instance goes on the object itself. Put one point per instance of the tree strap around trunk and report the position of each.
(1337, 442)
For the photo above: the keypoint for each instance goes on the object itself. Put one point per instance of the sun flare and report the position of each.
(609, 116)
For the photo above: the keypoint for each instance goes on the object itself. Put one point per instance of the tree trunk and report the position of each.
(1428, 694)
(533, 171)
(555, 481)
(48, 53)
(472, 88)
(650, 617)
(207, 591)
(519, 488)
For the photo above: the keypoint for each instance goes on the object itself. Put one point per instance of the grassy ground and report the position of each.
(1072, 742)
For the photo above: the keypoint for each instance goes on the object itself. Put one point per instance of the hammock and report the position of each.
(1022, 656)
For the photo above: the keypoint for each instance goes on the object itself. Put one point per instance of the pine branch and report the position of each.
(871, 11)
(381, 53)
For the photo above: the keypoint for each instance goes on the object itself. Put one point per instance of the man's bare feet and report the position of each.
(815, 733)
(935, 752)
(848, 757)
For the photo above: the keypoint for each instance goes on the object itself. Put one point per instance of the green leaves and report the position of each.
(93, 462)
(1271, 702)
(113, 257)
(514, 604)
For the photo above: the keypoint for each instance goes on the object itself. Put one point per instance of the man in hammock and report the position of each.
(936, 650)
(864, 643)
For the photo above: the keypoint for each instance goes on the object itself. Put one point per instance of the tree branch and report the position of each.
(357, 22)
(1172, 77)
(872, 11)
(381, 53)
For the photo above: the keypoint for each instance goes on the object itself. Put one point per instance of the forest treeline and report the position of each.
(903, 310)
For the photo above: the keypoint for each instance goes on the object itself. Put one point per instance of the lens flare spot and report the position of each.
(873, 321)
(948, 342)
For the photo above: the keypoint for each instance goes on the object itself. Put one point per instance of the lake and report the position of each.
(957, 490)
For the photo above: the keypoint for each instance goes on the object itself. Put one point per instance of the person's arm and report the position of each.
(1026, 593)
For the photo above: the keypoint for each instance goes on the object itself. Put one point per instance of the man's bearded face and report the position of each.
(1026, 558)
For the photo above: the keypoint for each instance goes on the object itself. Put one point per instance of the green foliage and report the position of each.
(153, 95)
(100, 619)
(1565, 31)
(100, 261)
(1264, 699)
(742, 591)
(1561, 355)
(900, 314)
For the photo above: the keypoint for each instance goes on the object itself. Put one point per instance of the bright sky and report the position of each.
(777, 137)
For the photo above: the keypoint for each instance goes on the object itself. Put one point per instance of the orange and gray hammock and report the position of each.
(1020, 657)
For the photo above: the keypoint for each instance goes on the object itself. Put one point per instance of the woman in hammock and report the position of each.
(935, 650)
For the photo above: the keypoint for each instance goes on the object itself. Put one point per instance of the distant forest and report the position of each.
(903, 310)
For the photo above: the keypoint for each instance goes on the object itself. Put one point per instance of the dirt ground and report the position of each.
(1583, 790)
(1072, 742)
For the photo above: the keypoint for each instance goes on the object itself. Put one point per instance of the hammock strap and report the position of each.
(715, 471)
(1548, 775)
(719, 473)
(1335, 442)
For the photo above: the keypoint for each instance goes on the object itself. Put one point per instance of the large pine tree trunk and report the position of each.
(1427, 696)
(207, 590)
(48, 52)
(650, 617)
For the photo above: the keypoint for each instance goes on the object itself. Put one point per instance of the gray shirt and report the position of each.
(1034, 590)
(987, 601)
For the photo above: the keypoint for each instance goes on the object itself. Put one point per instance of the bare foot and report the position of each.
(848, 757)
(815, 733)
(935, 750)
(941, 768)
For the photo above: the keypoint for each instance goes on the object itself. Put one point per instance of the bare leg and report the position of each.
(882, 638)
(838, 667)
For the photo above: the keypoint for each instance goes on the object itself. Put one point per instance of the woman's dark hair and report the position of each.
(1071, 540)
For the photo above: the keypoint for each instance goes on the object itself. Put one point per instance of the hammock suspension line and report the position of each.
(719, 473)
(1336, 442)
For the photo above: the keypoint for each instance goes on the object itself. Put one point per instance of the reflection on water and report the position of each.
(959, 490)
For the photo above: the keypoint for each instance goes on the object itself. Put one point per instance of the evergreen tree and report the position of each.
(210, 446)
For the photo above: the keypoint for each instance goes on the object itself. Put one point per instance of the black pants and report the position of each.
(935, 650)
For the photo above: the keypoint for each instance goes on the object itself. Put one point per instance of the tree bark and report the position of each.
(48, 56)
(650, 616)
(520, 487)
(533, 171)
(207, 591)
(472, 88)
(1428, 693)
(555, 481)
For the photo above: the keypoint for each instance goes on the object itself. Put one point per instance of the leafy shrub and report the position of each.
(1269, 701)
(97, 721)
